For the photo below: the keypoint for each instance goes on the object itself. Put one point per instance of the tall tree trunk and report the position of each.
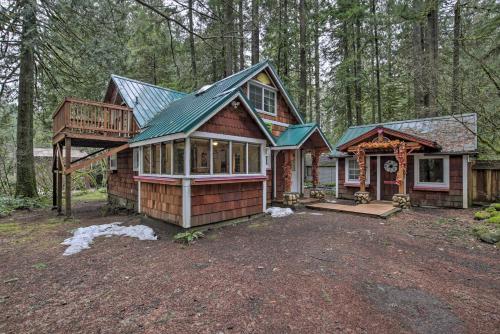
(285, 38)
(357, 74)
(255, 31)
(228, 37)
(302, 58)
(25, 172)
(316, 64)
(432, 43)
(418, 62)
(241, 24)
(345, 60)
(377, 62)
(455, 85)
(192, 49)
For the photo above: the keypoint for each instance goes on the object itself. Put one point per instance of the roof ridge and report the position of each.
(147, 84)
(414, 120)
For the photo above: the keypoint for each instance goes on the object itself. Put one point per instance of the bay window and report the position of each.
(263, 98)
(253, 158)
(220, 153)
(431, 171)
(200, 155)
(239, 158)
(178, 157)
(146, 159)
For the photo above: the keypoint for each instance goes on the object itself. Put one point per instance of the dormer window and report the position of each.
(262, 97)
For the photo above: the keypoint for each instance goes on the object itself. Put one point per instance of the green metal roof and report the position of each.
(447, 131)
(184, 114)
(296, 134)
(145, 99)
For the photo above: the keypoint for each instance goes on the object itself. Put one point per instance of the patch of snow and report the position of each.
(277, 212)
(84, 236)
(315, 213)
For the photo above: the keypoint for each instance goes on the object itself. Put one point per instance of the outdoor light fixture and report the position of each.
(235, 104)
(215, 143)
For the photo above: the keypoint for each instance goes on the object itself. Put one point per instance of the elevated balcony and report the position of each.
(93, 124)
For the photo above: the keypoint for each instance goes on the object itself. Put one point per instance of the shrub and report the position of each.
(487, 234)
(480, 215)
(494, 220)
(9, 204)
(188, 237)
(496, 206)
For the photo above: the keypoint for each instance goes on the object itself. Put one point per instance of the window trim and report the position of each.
(445, 185)
(113, 162)
(211, 137)
(136, 164)
(348, 181)
(264, 87)
(267, 157)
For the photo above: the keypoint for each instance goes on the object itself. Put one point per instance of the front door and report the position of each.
(389, 167)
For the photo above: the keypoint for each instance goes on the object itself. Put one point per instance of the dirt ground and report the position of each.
(313, 272)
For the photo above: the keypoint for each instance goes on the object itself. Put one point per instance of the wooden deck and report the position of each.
(378, 209)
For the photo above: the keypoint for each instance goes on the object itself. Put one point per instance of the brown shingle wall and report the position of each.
(235, 122)
(121, 182)
(219, 202)
(162, 201)
(269, 184)
(452, 198)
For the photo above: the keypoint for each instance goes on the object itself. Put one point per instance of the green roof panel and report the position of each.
(145, 99)
(295, 134)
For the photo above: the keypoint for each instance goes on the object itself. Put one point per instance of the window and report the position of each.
(113, 162)
(155, 158)
(220, 151)
(353, 174)
(136, 159)
(146, 159)
(200, 156)
(253, 158)
(268, 157)
(263, 99)
(352, 170)
(432, 171)
(179, 157)
(166, 158)
(239, 155)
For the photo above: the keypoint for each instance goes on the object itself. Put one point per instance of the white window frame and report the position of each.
(136, 154)
(356, 181)
(211, 137)
(446, 171)
(264, 87)
(113, 162)
(267, 156)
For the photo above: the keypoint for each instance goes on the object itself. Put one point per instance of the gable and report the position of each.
(234, 122)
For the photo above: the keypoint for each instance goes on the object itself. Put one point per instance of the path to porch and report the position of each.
(379, 209)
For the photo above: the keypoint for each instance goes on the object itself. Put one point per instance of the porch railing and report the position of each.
(95, 118)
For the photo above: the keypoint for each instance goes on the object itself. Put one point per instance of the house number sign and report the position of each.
(391, 166)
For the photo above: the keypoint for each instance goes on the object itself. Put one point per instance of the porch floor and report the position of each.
(379, 209)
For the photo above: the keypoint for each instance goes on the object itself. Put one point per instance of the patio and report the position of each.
(380, 209)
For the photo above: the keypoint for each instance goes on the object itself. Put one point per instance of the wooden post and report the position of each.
(54, 177)
(315, 166)
(67, 146)
(287, 171)
(360, 156)
(59, 179)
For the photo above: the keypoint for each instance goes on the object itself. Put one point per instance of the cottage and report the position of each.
(223, 152)
(425, 162)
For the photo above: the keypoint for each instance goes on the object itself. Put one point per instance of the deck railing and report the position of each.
(91, 117)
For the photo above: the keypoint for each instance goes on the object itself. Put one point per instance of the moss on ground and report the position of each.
(487, 233)
(90, 196)
(480, 215)
(10, 228)
(494, 220)
(496, 206)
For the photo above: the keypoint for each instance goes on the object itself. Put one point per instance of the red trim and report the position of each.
(221, 180)
(158, 180)
(391, 132)
(426, 188)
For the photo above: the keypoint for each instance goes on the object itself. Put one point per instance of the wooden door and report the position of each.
(388, 169)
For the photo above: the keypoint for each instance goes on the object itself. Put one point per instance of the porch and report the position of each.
(379, 209)
(104, 128)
